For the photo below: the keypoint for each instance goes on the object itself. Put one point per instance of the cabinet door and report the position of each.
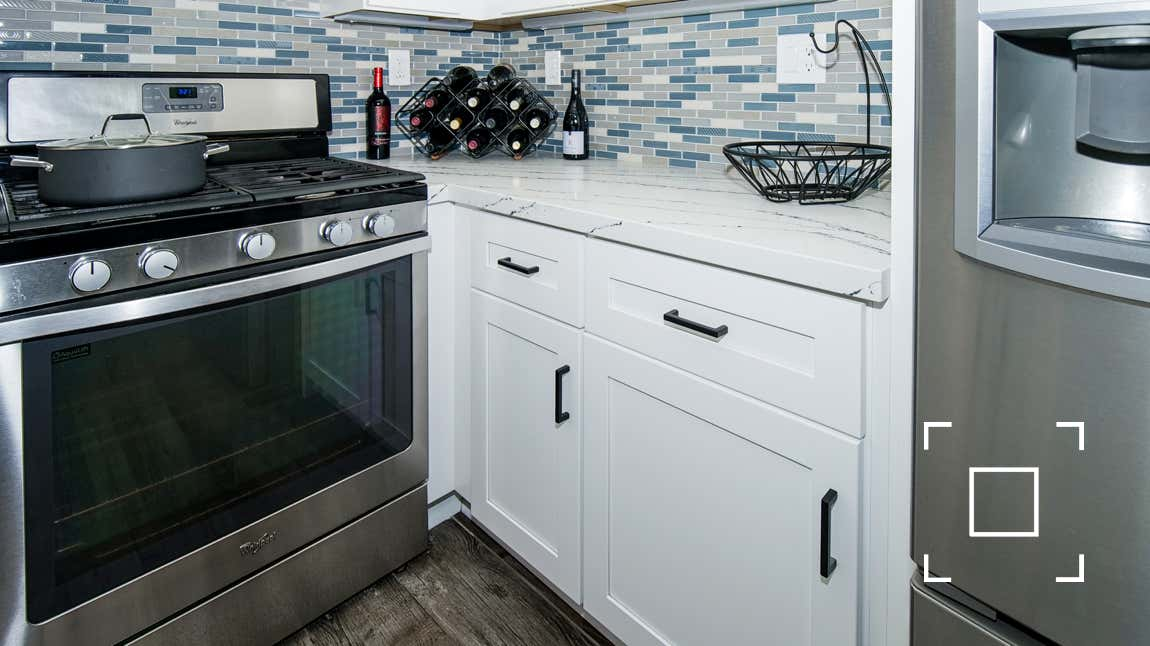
(703, 512)
(527, 449)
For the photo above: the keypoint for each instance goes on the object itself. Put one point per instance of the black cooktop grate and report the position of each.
(228, 185)
(25, 208)
(303, 177)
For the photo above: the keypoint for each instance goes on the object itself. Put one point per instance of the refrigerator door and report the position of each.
(1004, 359)
(938, 621)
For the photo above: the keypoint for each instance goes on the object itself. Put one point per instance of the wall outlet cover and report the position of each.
(799, 61)
(399, 67)
(553, 62)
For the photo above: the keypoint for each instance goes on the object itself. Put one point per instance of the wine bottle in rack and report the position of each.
(518, 140)
(460, 77)
(478, 139)
(500, 76)
(477, 98)
(537, 118)
(440, 141)
(458, 118)
(496, 118)
(420, 119)
(518, 97)
(378, 118)
(436, 100)
(576, 142)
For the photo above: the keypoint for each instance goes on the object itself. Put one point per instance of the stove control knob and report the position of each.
(380, 224)
(159, 264)
(337, 232)
(90, 275)
(258, 246)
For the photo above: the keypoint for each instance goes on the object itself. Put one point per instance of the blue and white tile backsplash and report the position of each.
(668, 91)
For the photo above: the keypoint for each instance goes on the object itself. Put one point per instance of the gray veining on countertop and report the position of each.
(704, 215)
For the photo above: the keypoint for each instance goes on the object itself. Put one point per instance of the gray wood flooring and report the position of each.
(466, 590)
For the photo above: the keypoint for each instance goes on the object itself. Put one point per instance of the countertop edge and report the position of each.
(865, 284)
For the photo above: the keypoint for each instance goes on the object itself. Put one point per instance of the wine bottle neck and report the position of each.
(576, 82)
(377, 78)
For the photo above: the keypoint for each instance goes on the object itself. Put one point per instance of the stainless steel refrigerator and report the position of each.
(1032, 493)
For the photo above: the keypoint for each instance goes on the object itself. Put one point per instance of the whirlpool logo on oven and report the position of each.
(251, 548)
(68, 354)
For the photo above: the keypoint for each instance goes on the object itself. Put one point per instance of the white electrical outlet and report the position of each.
(799, 61)
(399, 67)
(553, 63)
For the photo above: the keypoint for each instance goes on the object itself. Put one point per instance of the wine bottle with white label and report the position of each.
(575, 139)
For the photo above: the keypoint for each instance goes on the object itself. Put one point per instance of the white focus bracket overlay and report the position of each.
(1081, 428)
(926, 428)
(926, 575)
(1029, 534)
(1081, 578)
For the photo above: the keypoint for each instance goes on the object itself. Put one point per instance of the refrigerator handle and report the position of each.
(827, 563)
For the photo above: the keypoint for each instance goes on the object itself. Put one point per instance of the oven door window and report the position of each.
(147, 441)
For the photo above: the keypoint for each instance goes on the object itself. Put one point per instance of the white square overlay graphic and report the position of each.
(977, 534)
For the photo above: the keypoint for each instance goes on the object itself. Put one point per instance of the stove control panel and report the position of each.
(183, 97)
(101, 271)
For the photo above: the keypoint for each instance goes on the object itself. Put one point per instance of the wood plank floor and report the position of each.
(466, 590)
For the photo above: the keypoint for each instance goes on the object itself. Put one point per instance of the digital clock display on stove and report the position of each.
(182, 97)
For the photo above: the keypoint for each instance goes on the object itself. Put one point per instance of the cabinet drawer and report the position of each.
(538, 267)
(792, 347)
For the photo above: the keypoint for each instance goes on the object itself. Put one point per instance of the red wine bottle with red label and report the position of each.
(378, 119)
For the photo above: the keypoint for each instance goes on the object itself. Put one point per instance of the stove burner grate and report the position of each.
(22, 201)
(303, 177)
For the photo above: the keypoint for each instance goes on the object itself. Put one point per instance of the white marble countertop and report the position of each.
(709, 216)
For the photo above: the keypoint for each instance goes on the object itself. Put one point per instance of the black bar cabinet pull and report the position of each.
(827, 563)
(715, 333)
(526, 271)
(560, 415)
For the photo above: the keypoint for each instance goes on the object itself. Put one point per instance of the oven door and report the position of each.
(157, 450)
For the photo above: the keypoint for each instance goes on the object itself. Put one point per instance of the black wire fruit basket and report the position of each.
(818, 172)
(445, 115)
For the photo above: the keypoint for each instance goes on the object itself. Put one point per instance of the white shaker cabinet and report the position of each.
(705, 512)
(526, 442)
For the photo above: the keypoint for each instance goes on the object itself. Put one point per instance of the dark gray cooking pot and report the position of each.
(113, 170)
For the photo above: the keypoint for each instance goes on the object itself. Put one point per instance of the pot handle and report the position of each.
(31, 162)
(215, 149)
(130, 116)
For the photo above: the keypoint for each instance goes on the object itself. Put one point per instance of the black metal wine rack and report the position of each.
(421, 137)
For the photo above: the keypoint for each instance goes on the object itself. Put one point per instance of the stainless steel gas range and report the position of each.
(213, 408)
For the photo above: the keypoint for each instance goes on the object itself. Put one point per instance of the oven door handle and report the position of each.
(86, 318)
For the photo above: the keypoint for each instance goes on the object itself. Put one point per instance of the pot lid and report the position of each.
(100, 142)
(1120, 36)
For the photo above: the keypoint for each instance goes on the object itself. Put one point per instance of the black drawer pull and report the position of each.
(827, 563)
(560, 415)
(715, 333)
(526, 271)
